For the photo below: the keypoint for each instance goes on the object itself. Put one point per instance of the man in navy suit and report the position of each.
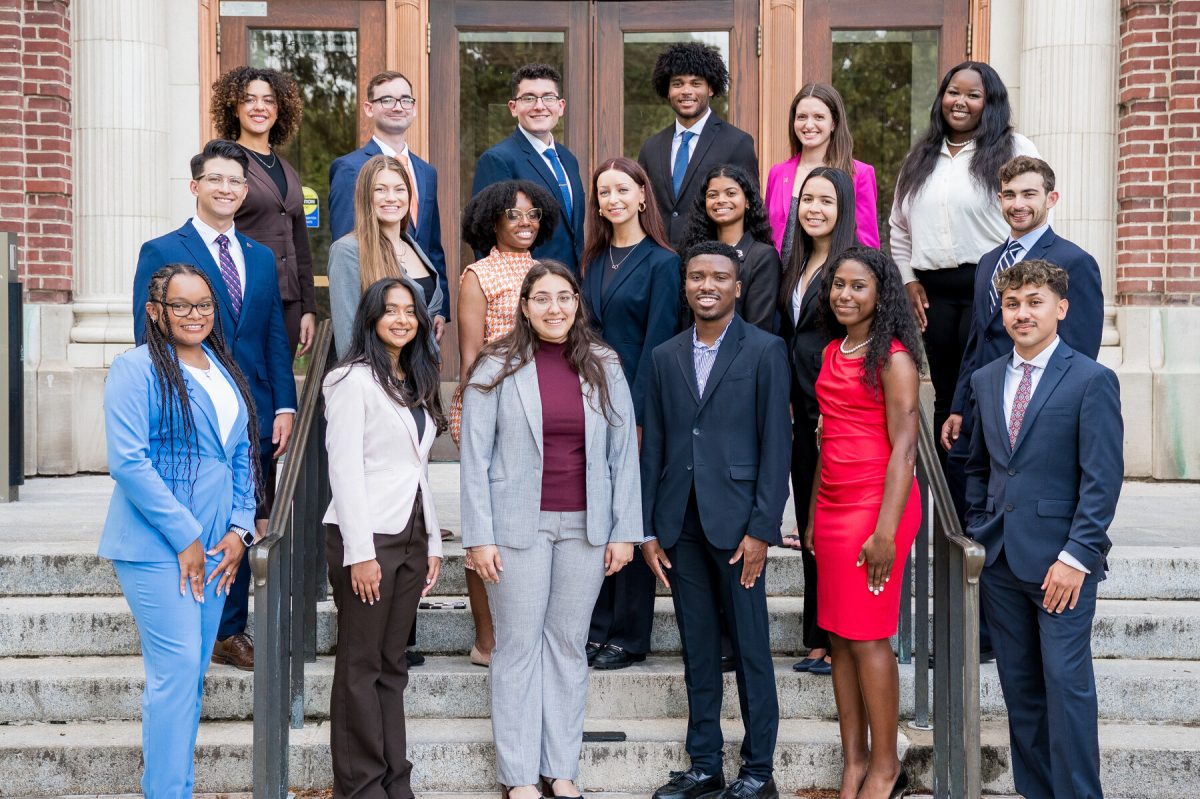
(392, 109)
(242, 273)
(716, 446)
(531, 153)
(1043, 479)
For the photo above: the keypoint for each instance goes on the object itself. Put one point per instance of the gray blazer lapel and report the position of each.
(531, 400)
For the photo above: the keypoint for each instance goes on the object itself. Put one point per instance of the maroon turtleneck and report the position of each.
(564, 462)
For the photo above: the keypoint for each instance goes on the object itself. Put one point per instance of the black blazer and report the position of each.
(515, 159)
(719, 143)
(759, 272)
(733, 444)
(806, 340)
(639, 311)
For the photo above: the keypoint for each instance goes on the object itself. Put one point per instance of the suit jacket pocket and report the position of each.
(1056, 508)
(744, 472)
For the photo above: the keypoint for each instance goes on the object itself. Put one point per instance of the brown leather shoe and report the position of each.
(236, 650)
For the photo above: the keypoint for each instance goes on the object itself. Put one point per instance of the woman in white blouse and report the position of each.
(383, 544)
(946, 212)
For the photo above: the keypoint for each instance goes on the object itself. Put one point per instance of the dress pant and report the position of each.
(951, 294)
(366, 706)
(237, 604)
(624, 612)
(1045, 664)
(292, 311)
(702, 584)
(177, 640)
(804, 467)
(539, 672)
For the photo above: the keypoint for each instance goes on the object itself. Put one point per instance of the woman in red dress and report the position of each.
(867, 508)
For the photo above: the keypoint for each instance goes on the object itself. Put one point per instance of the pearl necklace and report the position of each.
(855, 348)
(958, 143)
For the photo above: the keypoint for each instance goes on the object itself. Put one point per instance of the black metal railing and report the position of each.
(288, 567)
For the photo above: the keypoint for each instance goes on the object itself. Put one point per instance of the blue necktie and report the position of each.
(681, 162)
(564, 188)
(1006, 260)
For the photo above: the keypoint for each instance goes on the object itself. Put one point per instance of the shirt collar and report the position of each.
(1040, 360)
(388, 149)
(698, 128)
(1031, 238)
(700, 345)
(209, 234)
(966, 147)
(538, 145)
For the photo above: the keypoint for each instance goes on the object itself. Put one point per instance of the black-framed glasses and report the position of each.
(532, 99)
(182, 310)
(516, 214)
(388, 102)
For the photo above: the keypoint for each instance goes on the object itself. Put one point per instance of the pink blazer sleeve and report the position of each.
(865, 195)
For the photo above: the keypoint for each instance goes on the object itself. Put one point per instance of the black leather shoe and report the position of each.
(414, 658)
(691, 784)
(749, 788)
(614, 657)
(727, 663)
(592, 650)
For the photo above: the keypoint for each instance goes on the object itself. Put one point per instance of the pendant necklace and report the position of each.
(260, 160)
(617, 264)
(855, 348)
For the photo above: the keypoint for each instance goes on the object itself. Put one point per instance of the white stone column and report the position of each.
(1069, 56)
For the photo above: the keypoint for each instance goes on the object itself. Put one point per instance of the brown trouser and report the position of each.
(366, 706)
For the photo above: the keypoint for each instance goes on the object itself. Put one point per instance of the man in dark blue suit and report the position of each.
(242, 273)
(531, 153)
(1043, 479)
(392, 109)
(716, 444)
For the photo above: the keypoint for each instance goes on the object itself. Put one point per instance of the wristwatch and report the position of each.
(244, 534)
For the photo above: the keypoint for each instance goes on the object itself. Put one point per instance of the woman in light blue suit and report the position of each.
(177, 415)
(551, 504)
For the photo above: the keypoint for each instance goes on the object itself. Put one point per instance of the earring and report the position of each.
(641, 206)
(600, 212)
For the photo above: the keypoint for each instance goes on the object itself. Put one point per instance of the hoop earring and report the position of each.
(600, 213)
(642, 206)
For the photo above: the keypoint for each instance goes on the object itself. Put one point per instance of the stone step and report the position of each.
(1137, 761)
(109, 688)
(69, 626)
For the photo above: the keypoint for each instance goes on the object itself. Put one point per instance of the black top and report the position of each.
(616, 255)
(273, 166)
(418, 414)
(427, 283)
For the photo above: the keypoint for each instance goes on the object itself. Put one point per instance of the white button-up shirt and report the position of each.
(541, 147)
(677, 139)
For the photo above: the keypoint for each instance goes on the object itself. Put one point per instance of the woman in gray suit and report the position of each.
(551, 505)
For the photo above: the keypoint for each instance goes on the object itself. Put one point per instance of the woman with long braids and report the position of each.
(946, 213)
(383, 545)
(182, 447)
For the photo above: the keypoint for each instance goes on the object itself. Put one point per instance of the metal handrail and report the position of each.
(287, 567)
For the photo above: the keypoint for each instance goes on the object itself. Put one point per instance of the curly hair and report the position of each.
(534, 72)
(690, 58)
(486, 209)
(229, 89)
(893, 317)
(755, 222)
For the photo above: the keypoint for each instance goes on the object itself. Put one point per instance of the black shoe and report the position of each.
(414, 657)
(592, 650)
(614, 657)
(727, 663)
(750, 788)
(986, 656)
(900, 786)
(691, 784)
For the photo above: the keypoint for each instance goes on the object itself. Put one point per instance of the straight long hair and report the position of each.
(598, 231)
(376, 255)
(843, 237)
(585, 351)
(702, 228)
(840, 152)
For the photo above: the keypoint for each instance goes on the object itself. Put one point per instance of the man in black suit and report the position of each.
(715, 448)
(531, 153)
(688, 76)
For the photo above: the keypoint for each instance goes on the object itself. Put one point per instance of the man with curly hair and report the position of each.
(688, 75)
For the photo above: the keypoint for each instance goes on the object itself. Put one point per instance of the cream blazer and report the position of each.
(376, 463)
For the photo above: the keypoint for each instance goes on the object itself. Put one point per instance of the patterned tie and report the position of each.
(1020, 403)
(1006, 260)
(414, 199)
(681, 162)
(229, 272)
(564, 188)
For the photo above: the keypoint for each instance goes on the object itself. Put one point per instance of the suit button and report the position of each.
(1008, 508)
(283, 257)
(674, 214)
(1012, 472)
(695, 431)
(987, 338)
(689, 467)
(283, 213)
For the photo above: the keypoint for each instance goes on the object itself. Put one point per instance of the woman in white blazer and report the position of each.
(551, 504)
(383, 545)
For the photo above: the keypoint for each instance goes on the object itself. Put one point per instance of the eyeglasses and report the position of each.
(184, 309)
(217, 181)
(530, 100)
(516, 214)
(388, 102)
(250, 100)
(563, 300)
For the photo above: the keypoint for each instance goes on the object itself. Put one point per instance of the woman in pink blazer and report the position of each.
(820, 136)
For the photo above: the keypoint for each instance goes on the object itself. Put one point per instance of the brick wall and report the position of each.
(1158, 169)
(35, 142)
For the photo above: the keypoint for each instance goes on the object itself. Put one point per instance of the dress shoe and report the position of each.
(691, 784)
(548, 790)
(804, 665)
(900, 786)
(822, 666)
(749, 788)
(480, 659)
(414, 658)
(614, 657)
(986, 655)
(592, 649)
(727, 663)
(236, 650)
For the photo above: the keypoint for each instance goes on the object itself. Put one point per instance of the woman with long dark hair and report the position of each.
(632, 289)
(182, 442)
(551, 505)
(946, 213)
(383, 547)
(729, 210)
(865, 507)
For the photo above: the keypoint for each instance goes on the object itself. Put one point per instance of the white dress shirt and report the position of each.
(221, 392)
(209, 235)
(541, 147)
(1012, 381)
(951, 219)
(677, 139)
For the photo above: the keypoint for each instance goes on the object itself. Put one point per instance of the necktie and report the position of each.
(564, 188)
(414, 199)
(1020, 403)
(230, 274)
(1006, 260)
(681, 162)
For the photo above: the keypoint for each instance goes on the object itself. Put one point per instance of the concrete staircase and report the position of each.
(71, 679)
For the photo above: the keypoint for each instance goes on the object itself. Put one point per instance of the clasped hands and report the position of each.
(231, 548)
(485, 560)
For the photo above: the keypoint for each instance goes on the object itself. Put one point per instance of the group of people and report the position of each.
(647, 362)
